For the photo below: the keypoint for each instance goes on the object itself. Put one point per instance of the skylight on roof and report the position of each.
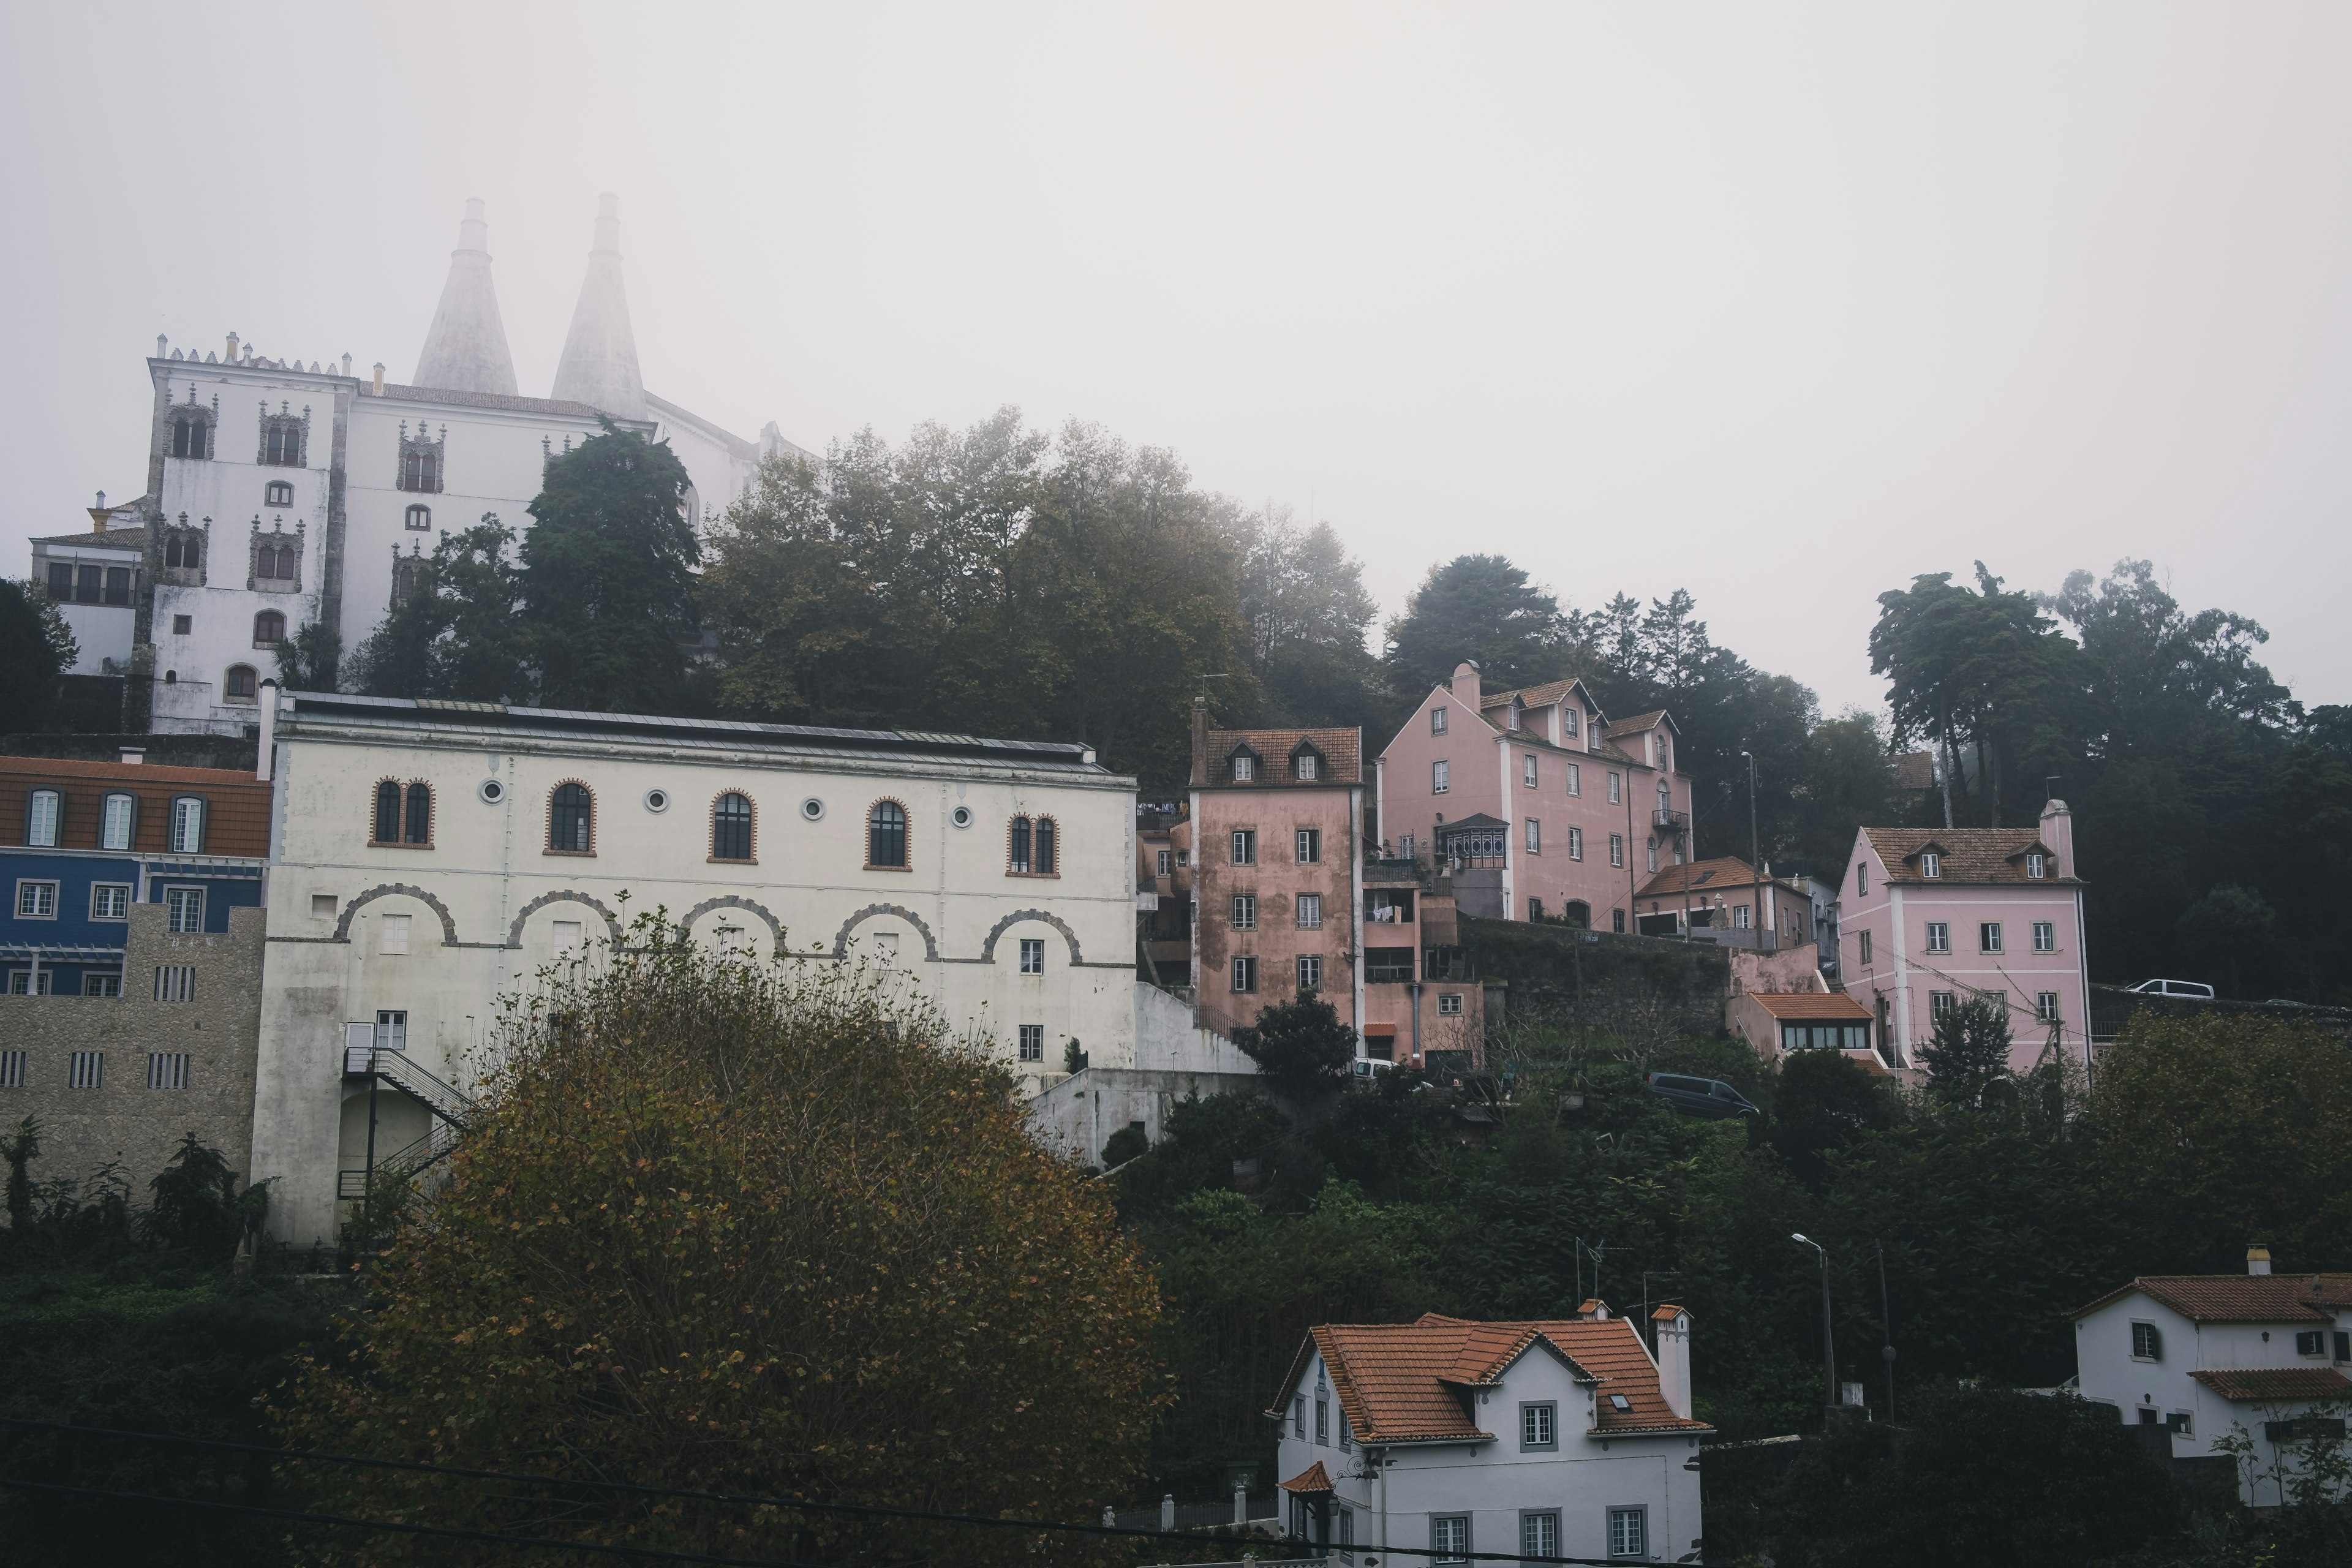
(1620, 1402)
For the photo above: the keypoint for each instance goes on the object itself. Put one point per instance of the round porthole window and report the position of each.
(657, 800)
(492, 792)
(960, 816)
(813, 808)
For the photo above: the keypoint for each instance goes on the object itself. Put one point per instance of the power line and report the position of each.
(741, 1499)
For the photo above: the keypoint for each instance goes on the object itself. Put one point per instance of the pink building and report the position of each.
(1535, 801)
(1930, 918)
(1286, 897)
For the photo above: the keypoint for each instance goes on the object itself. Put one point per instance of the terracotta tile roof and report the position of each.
(1971, 855)
(1637, 723)
(1342, 751)
(1543, 696)
(89, 539)
(1406, 1382)
(2251, 1384)
(236, 803)
(1811, 1004)
(2241, 1297)
(1707, 877)
(1313, 1478)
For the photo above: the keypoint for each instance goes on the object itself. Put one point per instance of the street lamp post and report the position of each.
(1828, 1345)
(1886, 1329)
(1756, 852)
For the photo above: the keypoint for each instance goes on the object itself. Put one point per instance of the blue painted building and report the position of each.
(80, 842)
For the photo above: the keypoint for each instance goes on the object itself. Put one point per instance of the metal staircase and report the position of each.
(452, 1109)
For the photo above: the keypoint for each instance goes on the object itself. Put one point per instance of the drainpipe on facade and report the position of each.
(1413, 992)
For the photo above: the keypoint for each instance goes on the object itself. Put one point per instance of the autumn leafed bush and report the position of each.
(751, 1229)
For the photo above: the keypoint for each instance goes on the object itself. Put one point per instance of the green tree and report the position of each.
(1968, 1052)
(2214, 1131)
(2232, 924)
(36, 648)
(310, 659)
(1823, 1102)
(1303, 1047)
(1986, 670)
(455, 635)
(1477, 607)
(607, 582)
(753, 1228)
(19, 1150)
(1847, 782)
(1307, 613)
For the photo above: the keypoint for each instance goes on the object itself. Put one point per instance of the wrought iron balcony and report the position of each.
(1666, 821)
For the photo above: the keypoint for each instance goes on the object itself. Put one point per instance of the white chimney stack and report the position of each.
(1673, 1327)
(2258, 1259)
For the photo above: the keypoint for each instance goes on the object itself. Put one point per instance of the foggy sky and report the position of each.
(1783, 305)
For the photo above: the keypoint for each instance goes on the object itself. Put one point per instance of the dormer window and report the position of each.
(1241, 767)
(2037, 864)
(1305, 762)
(1931, 865)
(1568, 721)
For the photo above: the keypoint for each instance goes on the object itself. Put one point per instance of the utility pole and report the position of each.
(1755, 850)
(1829, 1344)
(1885, 1329)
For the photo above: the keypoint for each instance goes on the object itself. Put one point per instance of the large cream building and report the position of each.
(429, 858)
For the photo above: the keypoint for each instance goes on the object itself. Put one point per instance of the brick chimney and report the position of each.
(1672, 1326)
(1465, 682)
(2258, 1257)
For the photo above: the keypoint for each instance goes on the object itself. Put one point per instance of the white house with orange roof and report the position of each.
(2257, 1359)
(1535, 802)
(1447, 1438)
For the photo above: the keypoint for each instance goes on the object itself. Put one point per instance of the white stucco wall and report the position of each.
(487, 905)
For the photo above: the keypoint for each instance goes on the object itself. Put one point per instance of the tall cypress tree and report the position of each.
(608, 576)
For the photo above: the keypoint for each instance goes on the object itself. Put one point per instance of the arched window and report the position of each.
(268, 629)
(192, 435)
(41, 815)
(282, 446)
(115, 819)
(1019, 862)
(387, 813)
(241, 685)
(184, 547)
(730, 828)
(275, 559)
(418, 829)
(570, 827)
(886, 834)
(420, 470)
(277, 492)
(1044, 860)
(420, 518)
(187, 835)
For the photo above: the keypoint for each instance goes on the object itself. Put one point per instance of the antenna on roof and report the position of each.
(2049, 788)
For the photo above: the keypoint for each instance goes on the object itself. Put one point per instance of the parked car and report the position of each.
(2196, 990)
(1700, 1096)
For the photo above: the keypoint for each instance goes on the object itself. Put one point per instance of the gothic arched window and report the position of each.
(192, 433)
(730, 828)
(886, 836)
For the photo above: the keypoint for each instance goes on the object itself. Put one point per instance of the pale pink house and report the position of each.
(1537, 804)
(1930, 918)
(1286, 897)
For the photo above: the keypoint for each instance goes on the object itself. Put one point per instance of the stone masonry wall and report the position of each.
(124, 1121)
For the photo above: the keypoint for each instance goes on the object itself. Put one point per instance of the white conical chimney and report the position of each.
(599, 367)
(2258, 1259)
(466, 349)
